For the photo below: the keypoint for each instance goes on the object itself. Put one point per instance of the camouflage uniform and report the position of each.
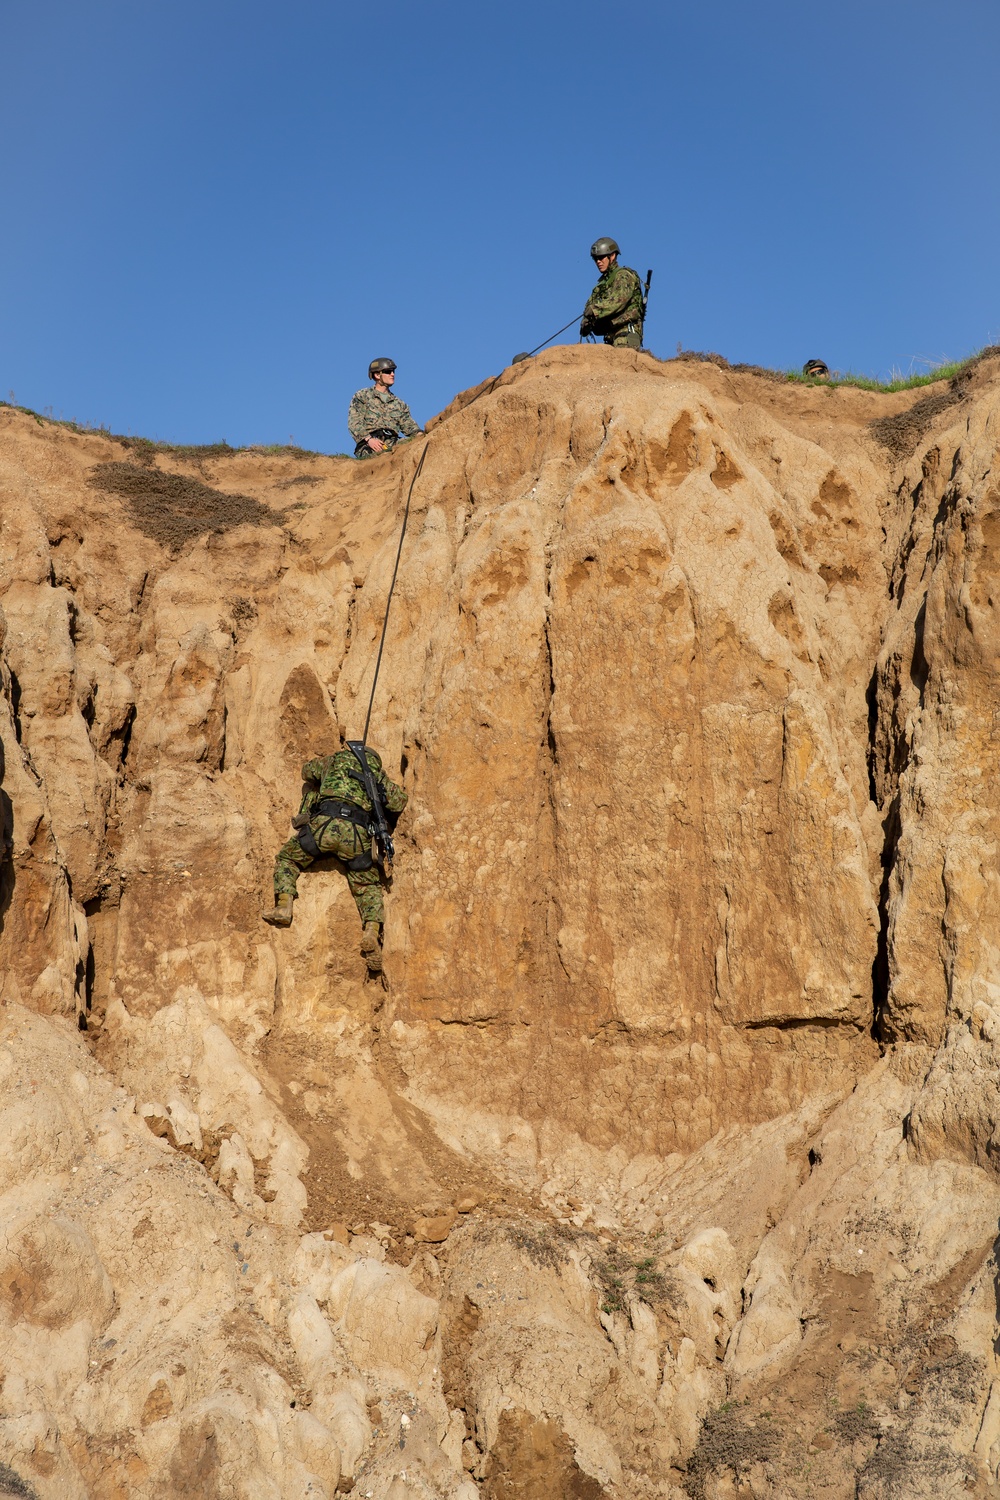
(338, 777)
(614, 308)
(374, 411)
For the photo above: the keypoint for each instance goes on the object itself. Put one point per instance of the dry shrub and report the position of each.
(175, 508)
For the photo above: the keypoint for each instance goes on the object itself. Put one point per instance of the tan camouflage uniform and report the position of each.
(339, 777)
(380, 412)
(614, 308)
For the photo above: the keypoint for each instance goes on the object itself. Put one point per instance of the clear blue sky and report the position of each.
(215, 212)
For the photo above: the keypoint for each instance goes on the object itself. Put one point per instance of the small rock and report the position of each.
(156, 1118)
(468, 1199)
(337, 1232)
(431, 1231)
(821, 1440)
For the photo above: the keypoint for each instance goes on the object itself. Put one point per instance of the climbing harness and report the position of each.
(331, 809)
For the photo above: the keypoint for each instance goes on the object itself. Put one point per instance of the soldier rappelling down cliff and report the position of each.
(616, 307)
(346, 807)
(376, 417)
(348, 801)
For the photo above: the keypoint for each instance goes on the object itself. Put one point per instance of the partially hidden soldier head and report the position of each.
(815, 369)
(606, 250)
(382, 371)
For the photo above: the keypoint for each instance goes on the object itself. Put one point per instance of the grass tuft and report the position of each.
(730, 1441)
(618, 1274)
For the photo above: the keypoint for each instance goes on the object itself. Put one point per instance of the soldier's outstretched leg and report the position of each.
(366, 888)
(290, 860)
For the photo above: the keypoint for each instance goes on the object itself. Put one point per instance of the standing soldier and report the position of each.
(336, 817)
(614, 308)
(377, 417)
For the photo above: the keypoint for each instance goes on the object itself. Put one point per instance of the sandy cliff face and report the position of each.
(682, 1088)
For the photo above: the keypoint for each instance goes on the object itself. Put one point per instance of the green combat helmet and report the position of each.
(604, 247)
(815, 369)
(378, 365)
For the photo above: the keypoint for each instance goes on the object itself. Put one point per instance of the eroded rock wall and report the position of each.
(689, 679)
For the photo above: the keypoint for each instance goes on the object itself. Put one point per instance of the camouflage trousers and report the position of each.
(625, 340)
(342, 839)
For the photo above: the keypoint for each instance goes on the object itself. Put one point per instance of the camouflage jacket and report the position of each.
(616, 299)
(372, 410)
(340, 776)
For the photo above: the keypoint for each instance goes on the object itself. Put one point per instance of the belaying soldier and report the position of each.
(377, 417)
(614, 308)
(344, 805)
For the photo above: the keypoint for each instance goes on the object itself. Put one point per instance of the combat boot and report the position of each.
(281, 916)
(371, 948)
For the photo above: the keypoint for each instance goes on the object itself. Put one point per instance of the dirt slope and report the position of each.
(664, 1163)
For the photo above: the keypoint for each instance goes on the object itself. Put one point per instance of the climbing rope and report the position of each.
(392, 585)
(406, 516)
(551, 336)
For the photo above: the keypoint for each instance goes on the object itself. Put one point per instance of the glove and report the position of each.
(586, 327)
(300, 821)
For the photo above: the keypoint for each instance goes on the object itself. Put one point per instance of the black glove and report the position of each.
(586, 327)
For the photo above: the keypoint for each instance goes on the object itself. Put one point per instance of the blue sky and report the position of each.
(215, 212)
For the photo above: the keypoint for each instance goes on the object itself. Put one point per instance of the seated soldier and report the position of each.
(377, 417)
(336, 818)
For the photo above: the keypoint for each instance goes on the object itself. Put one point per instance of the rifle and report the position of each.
(384, 850)
(645, 294)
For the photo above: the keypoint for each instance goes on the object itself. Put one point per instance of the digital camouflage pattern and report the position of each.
(331, 776)
(371, 411)
(614, 305)
(340, 776)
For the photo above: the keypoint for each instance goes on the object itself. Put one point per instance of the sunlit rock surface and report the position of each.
(664, 1164)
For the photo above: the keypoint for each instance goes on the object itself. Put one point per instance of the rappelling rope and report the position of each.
(392, 585)
(406, 516)
(553, 336)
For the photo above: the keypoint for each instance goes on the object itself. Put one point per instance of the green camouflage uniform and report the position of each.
(614, 308)
(378, 411)
(338, 776)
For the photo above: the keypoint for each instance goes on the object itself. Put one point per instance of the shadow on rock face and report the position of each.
(533, 1460)
(175, 508)
(6, 845)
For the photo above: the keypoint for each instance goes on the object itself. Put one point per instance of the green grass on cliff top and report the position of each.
(896, 382)
(148, 446)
